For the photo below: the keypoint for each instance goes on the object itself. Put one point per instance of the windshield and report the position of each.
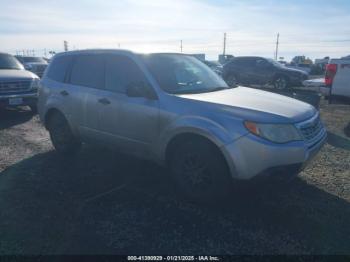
(9, 62)
(181, 74)
(28, 59)
(275, 63)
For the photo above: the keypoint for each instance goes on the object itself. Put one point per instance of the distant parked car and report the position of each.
(336, 83)
(215, 66)
(172, 109)
(337, 78)
(37, 65)
(18, 87)
(261, 71)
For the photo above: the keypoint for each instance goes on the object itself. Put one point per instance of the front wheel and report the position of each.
(61, 135)
(200, 171)
(280, 82)
(34, 109)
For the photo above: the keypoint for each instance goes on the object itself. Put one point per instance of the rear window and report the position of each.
(88, 70)
(58, 68)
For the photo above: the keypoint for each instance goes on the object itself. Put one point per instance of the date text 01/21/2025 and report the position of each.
(173, 258)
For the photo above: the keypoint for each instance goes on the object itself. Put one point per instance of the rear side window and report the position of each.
(58, 68)
(88, 70)
(248, 62)
(120, 72)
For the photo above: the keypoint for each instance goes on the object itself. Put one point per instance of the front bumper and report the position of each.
(26, 99)
(251, 156)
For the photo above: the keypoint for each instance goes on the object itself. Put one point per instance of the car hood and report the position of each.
(16, 75)
(256, 105)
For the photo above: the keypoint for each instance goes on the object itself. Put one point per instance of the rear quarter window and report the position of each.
(59, 67)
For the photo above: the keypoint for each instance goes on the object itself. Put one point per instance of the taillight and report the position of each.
(331, 70)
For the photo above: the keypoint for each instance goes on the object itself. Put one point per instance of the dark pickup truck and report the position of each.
(250, 70)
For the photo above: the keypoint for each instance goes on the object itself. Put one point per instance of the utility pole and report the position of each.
(65, 45)
(224, 51)
(277, 43)
(181, 46)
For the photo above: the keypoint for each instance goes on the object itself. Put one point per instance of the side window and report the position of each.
(88, 70)
(261, 63)
(245, 62)
(58, 68)
(120, 72)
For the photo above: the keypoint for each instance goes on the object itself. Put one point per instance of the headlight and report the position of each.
(278, 133)
(35, 84)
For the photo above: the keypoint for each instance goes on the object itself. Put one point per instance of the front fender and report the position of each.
(193, 125)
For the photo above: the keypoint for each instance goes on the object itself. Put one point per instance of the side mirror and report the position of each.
(140, 89)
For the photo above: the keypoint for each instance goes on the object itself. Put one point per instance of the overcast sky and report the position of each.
(314, 28)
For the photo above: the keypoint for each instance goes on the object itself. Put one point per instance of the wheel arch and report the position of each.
(49, 113)
(180, 138)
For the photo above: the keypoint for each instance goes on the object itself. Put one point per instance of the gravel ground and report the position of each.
(102, 202)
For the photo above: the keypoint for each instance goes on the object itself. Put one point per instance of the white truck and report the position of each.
(336, 83)
(337, 78)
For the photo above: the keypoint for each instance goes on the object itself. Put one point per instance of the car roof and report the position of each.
(256, 57)
(109, 51)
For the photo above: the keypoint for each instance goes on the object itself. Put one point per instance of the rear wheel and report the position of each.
(231, 81)
(200, 171)
(280, 82)
(61, 135)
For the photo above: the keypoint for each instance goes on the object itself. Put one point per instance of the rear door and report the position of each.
(246, 67)
(87, 76)
(66, 96)
(263, 71)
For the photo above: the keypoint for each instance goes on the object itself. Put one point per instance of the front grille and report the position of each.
(310, 129)
(14, 86)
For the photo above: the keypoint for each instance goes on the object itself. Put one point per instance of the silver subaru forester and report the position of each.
(173, 109)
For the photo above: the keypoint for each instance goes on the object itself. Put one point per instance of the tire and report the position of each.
(200, 171)
(347, 130)
(280, 82)
(34, 109)
(61, 135)
(231, 81)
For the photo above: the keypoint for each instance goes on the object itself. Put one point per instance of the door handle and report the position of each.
(64, 93)
(104, 101)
